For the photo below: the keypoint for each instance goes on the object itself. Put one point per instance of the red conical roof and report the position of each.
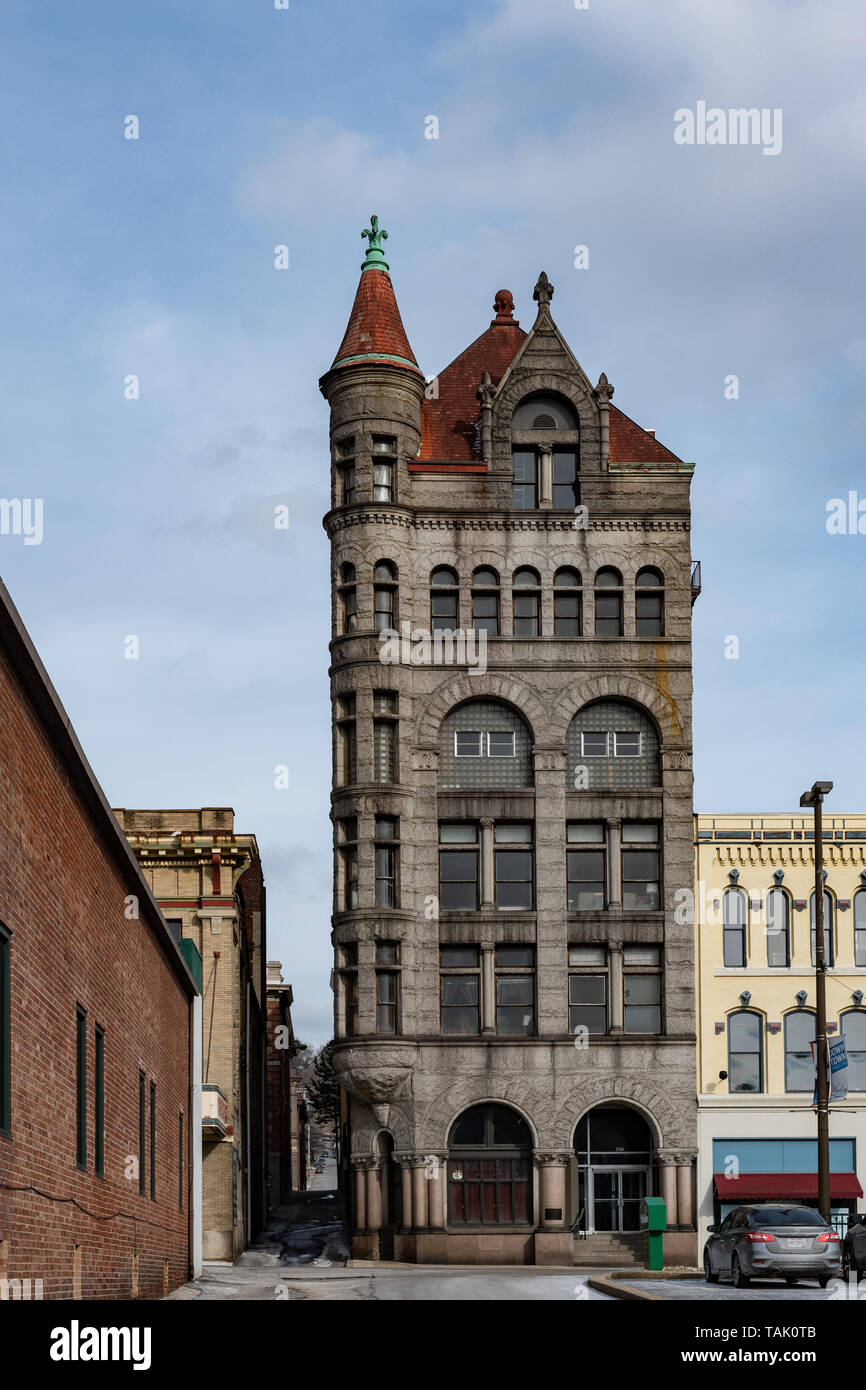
(375, 330)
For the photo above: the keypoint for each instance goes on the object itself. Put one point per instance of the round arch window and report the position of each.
(490, 1168)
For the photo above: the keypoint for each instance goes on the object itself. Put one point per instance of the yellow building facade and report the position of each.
(753, 906)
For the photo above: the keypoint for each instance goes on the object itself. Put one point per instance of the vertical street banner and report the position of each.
(837, 1074)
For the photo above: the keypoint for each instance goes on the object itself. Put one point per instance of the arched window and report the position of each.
(385, 595)
(566, 603)
(860, 927)
(649, 595)
(734, 927)
(829, 944)
(485, 744)
(745, 1052)
(611, 746)
(348, 597)
(485, 601)
(778, 928)
(526, 600)
(608, 603)
(544, 412)
(852, 1025)
(490, 1168)
(444, 599)
(799, 1036)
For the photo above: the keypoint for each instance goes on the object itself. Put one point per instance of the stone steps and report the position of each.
(610, 1248)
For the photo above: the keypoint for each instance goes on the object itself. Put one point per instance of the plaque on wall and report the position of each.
(553, 1213)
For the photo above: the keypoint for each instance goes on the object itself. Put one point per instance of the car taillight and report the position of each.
(826, 1236)
(761, 1236)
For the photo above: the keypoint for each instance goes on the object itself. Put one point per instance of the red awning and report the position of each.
(792, 1187)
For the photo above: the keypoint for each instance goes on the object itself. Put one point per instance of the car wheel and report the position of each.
(738, 1278)
(709, 1273)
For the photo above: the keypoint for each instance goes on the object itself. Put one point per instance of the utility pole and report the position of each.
(815, 798)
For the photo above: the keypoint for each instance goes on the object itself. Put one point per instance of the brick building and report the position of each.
(512, 798)
(286, 1103)
(208, 881)
(95, 1023)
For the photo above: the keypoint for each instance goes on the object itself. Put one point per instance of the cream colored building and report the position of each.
(208, 881)
(754, 909)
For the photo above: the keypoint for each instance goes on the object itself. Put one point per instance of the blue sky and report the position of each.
(261, 127)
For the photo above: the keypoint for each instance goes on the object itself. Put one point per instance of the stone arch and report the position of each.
(526, 381)
(632, 689)
(665, 1124)
(490, 686)
(436, 1123)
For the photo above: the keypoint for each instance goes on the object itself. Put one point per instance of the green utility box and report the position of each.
(653, 1224)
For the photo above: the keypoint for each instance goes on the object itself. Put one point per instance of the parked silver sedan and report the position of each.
(778, 1241)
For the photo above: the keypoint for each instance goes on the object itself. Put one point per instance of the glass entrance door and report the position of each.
(616, 1195)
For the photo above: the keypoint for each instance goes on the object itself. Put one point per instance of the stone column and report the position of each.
(614, 864)
(668, 1185)
(603, 393)
(551, 1189)
(487, 872)
(406, 1188)
(488, 989)
(360, 1194)
(545, 475)
(685, 1176)
(436, 1213)
(374, 1197)
(615, 985)
(419, 1192)
(486, 394)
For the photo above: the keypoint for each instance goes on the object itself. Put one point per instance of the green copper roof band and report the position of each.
(377, 357)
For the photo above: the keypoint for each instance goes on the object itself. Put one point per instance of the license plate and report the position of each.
(797, 1244)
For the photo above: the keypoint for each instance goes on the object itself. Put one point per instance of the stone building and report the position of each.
(755, 957)
(286, 1104)
(97, 1017)
(512, 802)
(208, 881)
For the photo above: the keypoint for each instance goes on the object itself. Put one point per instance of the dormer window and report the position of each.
(544, 412)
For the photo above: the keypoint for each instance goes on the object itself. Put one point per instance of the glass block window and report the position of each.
(384, 750)
(504, 741)
(617, 745)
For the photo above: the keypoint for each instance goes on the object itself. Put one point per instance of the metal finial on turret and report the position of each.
(375, 257)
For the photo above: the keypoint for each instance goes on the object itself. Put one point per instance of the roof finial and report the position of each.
(543, 291)
(375, 258)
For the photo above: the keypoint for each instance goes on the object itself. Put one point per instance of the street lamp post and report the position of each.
(815, 798)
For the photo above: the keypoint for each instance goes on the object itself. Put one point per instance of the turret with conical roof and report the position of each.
(374, 388)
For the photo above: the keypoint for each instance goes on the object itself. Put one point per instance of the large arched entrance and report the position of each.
(613, 1147)
(489, 1168)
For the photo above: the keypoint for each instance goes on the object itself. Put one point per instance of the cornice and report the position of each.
(508, 521)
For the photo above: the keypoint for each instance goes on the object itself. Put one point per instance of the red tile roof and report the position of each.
(375, 328)
(450, 422)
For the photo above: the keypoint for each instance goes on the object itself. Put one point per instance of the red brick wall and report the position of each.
(63, 897)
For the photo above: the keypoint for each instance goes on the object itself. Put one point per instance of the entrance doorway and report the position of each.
(613, 1148)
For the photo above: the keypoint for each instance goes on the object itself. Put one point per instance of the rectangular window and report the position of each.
(384, 750)
(349, 609)
(384, 451)
(525, 489)
(566, 613)
(641, 873)
(586, 867)
(460, 991)
(386, 876)
(142, 1131)
(642, 1000)
(648, 615)
(468, 743)
(347, 768)
(565, 492)
(347, 484)
(859, 933)
(80, 1088)
(501, 744)
(153, 1141)
(99, 1102)
(485, 613)
(348, 960)
(513, 866)
(5, 1031)
(593, 744)
(526, 616)
(458, 867)
(386, 1001)
(515, 991)
(587, 1003)
(180, 1161)
(383, 606)
(175, 926)
(626, 744)
(608, 614)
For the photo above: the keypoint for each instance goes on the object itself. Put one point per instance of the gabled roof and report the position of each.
(375, 330)
(450, 416)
